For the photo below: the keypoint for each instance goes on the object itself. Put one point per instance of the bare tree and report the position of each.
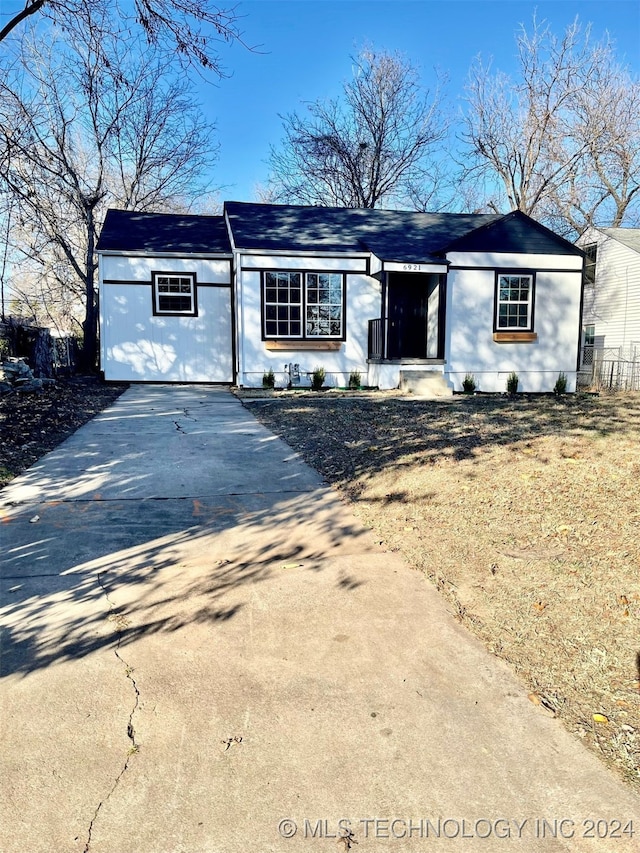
(370, 147)
(561, 141)
(190, 28)
(604, 188)
(87, 127)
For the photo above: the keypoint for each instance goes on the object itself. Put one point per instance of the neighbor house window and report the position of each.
(589, 338)
(514, 302)
(591, 252)
(174, 294)
(303, 305)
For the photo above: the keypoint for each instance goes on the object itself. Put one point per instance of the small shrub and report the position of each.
(268, 379)
(512, 383)
(469, 383)
(354, 380)
(561, 385)
(317, 378)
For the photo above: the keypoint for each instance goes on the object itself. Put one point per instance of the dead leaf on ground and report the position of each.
(543, 703)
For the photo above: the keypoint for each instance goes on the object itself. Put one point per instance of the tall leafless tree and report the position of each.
(190, 28)
(370, 147)
(604, 188)
(84, 127)
(560, 141)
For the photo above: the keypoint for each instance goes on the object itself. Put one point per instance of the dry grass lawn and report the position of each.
(525, 513)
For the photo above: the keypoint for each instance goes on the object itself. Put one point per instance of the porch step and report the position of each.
(424, 383)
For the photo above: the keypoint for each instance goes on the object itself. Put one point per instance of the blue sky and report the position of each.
(304, 50)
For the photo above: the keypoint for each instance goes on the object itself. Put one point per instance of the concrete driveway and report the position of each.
(202, 651)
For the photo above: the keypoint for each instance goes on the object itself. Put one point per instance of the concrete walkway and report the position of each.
(202, 651)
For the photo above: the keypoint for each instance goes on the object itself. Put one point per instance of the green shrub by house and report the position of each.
(512, 383)
(317, 378)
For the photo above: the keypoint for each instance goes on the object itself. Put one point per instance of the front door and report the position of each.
(415, 316)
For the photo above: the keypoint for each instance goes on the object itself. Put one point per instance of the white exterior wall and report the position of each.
(132, 268)
(470, 347)
(612, 305)
(362, 305)
(137, 346)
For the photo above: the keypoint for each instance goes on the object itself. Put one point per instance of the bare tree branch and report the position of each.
(374, 145)
(561, 141)
(88, 126)
(191, 29)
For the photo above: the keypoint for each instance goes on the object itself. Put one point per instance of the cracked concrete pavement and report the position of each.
(203, 651)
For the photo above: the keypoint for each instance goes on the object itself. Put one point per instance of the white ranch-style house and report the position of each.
(223, 299)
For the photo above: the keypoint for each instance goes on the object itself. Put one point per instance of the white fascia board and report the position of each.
(497, 260)
(308, 253)
(304, 261)
(216, 256)
(234, 248)
(398, 266)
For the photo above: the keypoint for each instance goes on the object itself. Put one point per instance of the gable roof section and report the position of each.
(415, 237)
(160, 233)
(400, 236)
(514, 233)
(391, 235)
(630, 237)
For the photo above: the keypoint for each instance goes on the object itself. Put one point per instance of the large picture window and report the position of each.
(174, 294)
(514, 302)
(303, 305)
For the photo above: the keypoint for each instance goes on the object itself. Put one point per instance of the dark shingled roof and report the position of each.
(515, 232)
(391, 235)
(403, 236)
(128, 231)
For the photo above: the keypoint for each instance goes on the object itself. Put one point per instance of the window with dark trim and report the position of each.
(514, 302)
(174, 293)
(591, 252)
(308, 306)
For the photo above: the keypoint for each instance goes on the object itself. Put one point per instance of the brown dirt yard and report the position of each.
(33, 424)
(525, 513)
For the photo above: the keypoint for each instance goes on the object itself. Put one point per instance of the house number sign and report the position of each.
(411, 267)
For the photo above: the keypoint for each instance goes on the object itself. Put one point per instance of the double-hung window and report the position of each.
(304, 305)
(174, 293)
(588, 341)
(514, 302)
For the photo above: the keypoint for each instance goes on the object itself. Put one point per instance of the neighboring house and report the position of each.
(225, 298)
(611, 309)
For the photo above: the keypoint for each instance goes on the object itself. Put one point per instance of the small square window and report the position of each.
(174, 294)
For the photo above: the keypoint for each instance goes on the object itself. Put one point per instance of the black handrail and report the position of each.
(376, 338)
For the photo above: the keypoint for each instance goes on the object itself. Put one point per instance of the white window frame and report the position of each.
(514, 280)
(281, 313)
(325, 316)
(588, 344)
(186, 290)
